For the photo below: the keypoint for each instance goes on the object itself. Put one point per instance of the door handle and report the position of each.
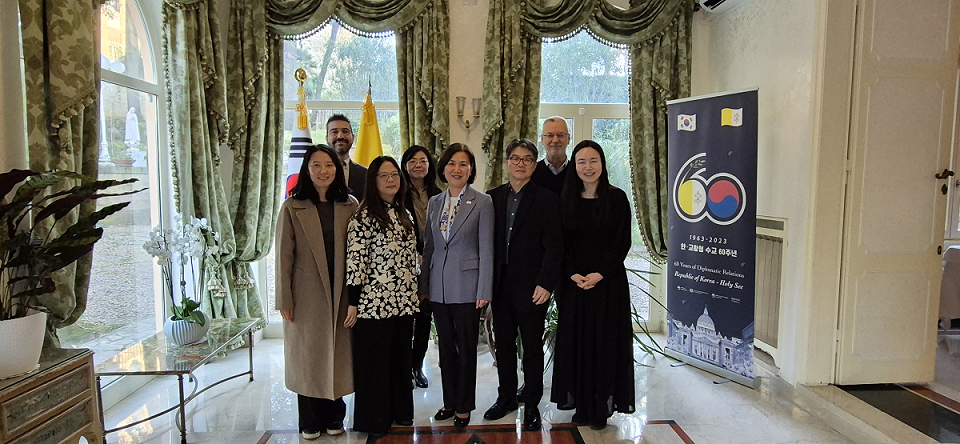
(945, 174)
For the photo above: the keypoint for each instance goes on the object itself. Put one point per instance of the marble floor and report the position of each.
(674, 405)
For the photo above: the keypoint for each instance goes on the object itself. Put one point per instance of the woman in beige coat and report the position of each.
(311, 295)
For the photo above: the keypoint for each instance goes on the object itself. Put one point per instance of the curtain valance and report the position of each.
(294, 19)
(611, 24)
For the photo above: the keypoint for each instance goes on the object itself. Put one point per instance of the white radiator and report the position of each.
(770, 235)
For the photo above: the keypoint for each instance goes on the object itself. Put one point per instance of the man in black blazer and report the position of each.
(528, 249)
(340, 138)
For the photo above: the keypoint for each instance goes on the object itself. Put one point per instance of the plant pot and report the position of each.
(123, 163)
(21, 341)
(181, 333)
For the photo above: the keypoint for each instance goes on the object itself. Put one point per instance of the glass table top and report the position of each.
(154, 356)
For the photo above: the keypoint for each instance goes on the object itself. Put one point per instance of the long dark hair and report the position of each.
(430, 181)
(304, 189)
(573, 186)
(375, 205)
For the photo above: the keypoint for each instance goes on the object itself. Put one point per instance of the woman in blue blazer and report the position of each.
(457, 276)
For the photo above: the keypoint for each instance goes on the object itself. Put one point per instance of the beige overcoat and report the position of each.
(316, 347)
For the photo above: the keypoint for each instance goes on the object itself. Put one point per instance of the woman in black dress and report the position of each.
(593, 361)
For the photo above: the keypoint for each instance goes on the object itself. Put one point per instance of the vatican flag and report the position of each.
(731, 117)
(368, 146)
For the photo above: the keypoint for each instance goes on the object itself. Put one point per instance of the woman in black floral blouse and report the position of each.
(382, 283)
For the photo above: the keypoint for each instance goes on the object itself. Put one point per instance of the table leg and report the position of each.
(183, 414)
(100, 406)
(250, 346)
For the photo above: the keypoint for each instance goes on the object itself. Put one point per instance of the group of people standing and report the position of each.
(358, 282)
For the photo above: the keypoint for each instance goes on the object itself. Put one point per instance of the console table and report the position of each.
(54, 404)
(154, 356)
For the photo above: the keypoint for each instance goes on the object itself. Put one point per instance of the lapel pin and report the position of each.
(469, 202)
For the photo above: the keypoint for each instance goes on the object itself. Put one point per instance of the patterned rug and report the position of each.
(479, 434)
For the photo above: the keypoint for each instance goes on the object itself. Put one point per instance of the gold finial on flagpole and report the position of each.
(302, 121)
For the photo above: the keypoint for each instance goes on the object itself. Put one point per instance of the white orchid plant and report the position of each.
(195, 246)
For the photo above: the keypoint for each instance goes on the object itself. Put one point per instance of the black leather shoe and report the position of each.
(444, 414)
(531, 418)
(598, 424)
(500, 409)
(376, 435)
(580, 419)
(420, 379)
(461, 423)
(404, 422)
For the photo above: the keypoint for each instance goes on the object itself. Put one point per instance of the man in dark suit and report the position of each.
(528, 249)
(340, 138)
(551, 172)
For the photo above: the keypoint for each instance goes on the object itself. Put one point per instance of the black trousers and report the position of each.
(421, 333)
(458, 329)
(316, 414)
(507, 321)
(383, 391)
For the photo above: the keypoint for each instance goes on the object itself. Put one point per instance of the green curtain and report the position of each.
(660, 71)
(510, 102)
(422, 30)
(61, 50)
(423, 55)
(658, 35)
(255, 104)
(197, 105)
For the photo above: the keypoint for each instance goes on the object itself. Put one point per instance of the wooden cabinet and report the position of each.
(57, 404)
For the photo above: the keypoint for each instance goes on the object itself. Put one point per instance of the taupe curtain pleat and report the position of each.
(61, 50)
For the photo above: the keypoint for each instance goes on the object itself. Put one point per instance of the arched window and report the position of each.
(125, 302)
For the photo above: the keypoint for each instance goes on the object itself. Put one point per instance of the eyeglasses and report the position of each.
(388, 176)
(517, 160)
(414, 162)
(558, 135)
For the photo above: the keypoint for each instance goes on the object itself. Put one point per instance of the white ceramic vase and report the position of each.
(181, 333)
(21, 341)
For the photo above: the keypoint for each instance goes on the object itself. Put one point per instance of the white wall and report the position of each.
(770, 45)
(468, 29)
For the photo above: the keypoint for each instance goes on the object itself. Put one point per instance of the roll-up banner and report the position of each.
(711, 264)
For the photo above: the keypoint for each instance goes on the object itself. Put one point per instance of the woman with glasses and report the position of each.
(311, 295)
(593, 358)
(458, 277)
(382, 283)
(420, 177)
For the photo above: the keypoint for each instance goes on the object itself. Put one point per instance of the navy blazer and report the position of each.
(460, 270)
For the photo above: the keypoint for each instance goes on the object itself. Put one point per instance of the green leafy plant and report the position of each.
(188, 310)
(118, 150)
(37, 238)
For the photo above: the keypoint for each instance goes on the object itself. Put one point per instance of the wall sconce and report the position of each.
(467, 124)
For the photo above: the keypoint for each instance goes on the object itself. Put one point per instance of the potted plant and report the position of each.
(196, 248)
(29, 257)
(120, 154)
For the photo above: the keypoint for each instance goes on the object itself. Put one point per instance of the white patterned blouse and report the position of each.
(384, 265)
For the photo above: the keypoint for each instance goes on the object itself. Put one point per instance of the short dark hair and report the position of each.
(339, 117)
(522, 143)
(431, 180)
(304, 189)
(448, 153)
